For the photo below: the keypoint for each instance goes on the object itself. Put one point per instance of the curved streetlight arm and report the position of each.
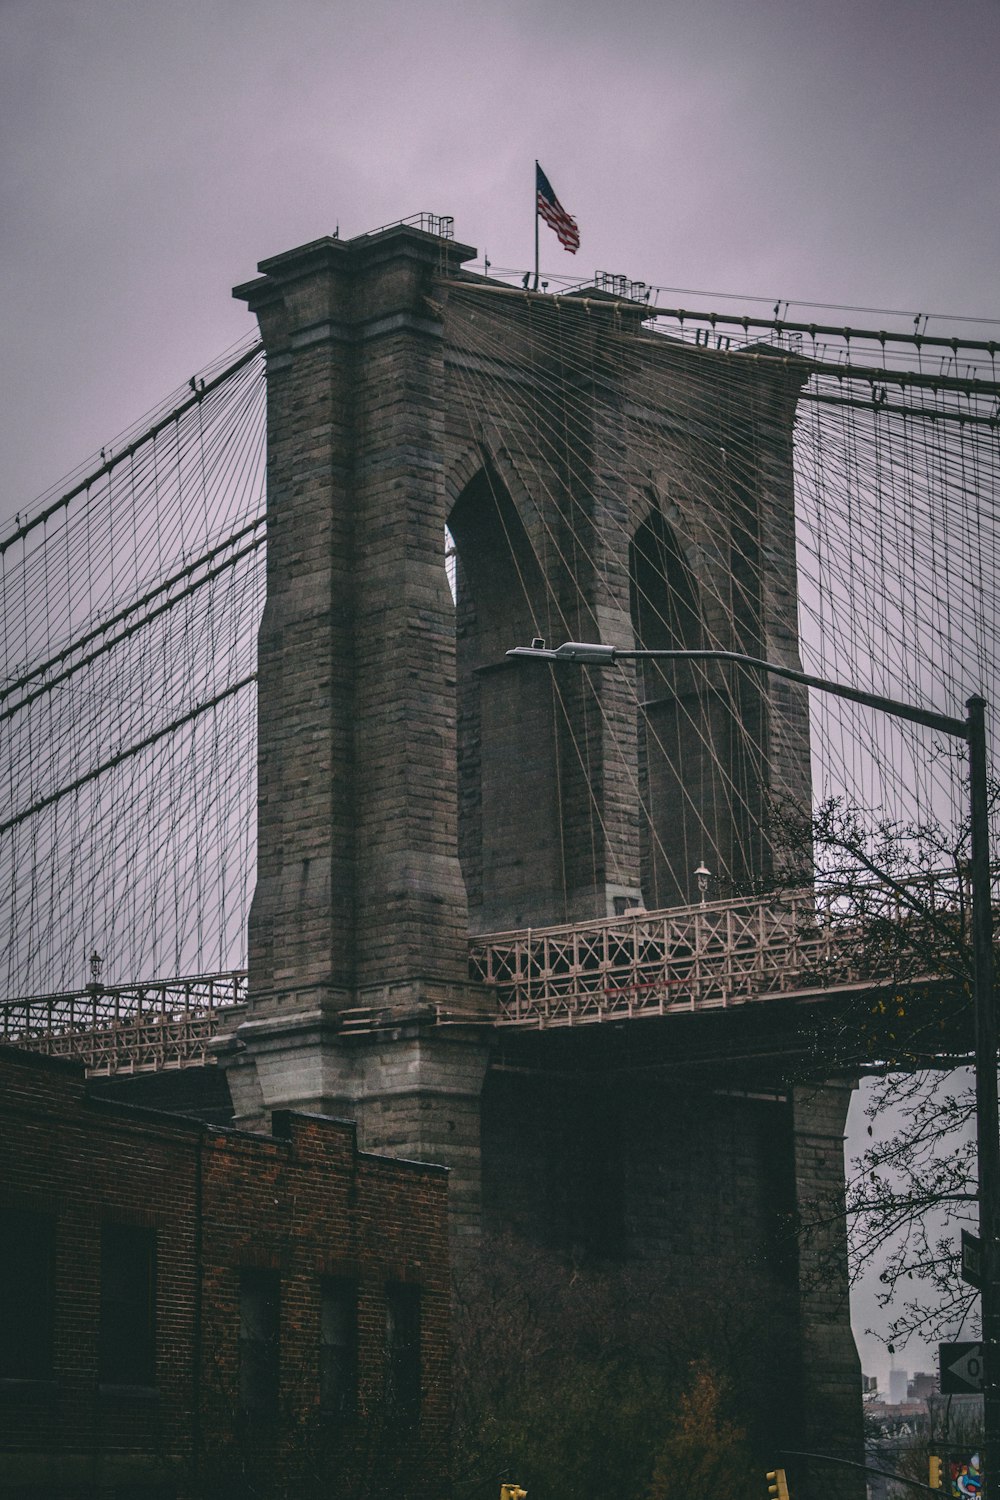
(595, 654)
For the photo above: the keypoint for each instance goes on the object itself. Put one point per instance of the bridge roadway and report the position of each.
(712, 957)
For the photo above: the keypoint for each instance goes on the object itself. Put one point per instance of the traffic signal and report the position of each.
(935, 1468)
(512, 1492)
(777, 1484)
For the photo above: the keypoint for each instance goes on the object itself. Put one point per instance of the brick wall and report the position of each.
(303, 1202)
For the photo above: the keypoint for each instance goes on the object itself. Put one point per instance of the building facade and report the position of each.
(190, 1310)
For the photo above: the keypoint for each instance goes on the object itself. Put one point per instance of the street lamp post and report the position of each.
(971, 729)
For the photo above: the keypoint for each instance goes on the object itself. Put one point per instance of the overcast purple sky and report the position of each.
(151, 154)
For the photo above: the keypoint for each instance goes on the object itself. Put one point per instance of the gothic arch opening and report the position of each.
(699, 733)
(508, 752)
(673, 763)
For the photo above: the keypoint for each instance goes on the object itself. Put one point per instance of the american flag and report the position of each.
(554, 214)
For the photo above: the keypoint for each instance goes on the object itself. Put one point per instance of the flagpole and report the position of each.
(536, 224)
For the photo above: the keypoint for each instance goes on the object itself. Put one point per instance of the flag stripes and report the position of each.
(555, 216)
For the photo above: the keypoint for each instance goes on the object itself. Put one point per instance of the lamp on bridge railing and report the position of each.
(96, 965)
(703, 876)
(971, 729)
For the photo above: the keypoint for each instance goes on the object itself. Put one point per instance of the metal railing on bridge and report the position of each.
(653, 963)
(646, 963)
(128, 1028)
(725, 953)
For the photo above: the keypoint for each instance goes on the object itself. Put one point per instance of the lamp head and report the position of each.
(583, 651)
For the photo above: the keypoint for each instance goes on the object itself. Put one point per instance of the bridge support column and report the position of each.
(358, 930)
(413, 1088)
(359, 898)
(831, 1369)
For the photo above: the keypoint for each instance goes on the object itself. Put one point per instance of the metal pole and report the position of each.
(849, 1463)
(535, 287)
(987, 1126)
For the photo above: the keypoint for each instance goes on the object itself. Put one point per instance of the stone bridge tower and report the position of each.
(596, 480)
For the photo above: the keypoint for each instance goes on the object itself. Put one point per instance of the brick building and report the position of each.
(188, 1309)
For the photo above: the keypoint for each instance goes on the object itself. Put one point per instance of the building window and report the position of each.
(338, 1347)
(127, 1348)
(402, 1329)
(260, 1313)
(27, 1262)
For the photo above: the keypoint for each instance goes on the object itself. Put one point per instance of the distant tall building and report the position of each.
(898, 1382)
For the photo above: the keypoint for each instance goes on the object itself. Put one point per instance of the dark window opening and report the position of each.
(27, 1294)
(402, 1328)
(127, 1348)
(260, 1310)
(338, 1348)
